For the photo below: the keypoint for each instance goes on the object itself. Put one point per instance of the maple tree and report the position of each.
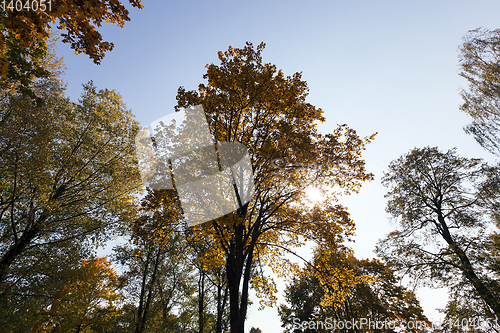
(445, 206)
(24, 33)
(38, 278)
(67, 182)
(252, 103)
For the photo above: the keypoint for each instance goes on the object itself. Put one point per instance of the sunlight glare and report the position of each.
(314, 194)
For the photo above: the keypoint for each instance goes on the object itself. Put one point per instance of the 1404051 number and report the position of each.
(27, 5)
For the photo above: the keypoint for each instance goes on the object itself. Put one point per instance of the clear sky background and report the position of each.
(379, 66)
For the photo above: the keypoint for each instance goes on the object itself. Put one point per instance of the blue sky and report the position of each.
(379, 66)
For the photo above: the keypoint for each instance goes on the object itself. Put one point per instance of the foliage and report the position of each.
(68, 169)
(86, 301)
(63, 298)
(480, 65)
(253, 103)
(172, 282)
(24, 33)
(202, 253)
(158, 278)
(444, 205)
(67, 181)
(378, 298)
(467, 312)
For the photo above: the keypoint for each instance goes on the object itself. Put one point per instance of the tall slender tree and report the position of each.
(444, 205)
(159, 277)
(480, 65)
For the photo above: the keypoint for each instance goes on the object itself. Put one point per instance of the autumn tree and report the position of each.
(24, 304)
(68, 169)
(212, 294)
(444, 206)
(467, 312)
(85, 300)
(158, 276)
(379, 298)
(252, 103)
(24, 33)
(167, 267)
(60, 289)
(480, 65)
(68, 179)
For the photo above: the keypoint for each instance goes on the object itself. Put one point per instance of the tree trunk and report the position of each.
(238, 266)
(144, 306)
(221, 305)
(201, 301)
(469, 273)
(468, 270)
(234, 270)
(18, 247)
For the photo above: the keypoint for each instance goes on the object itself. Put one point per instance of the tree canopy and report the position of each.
(480, 65)
(24, 33)
(379, 297)
(68, 180)
(252, 103)
(445, 206)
